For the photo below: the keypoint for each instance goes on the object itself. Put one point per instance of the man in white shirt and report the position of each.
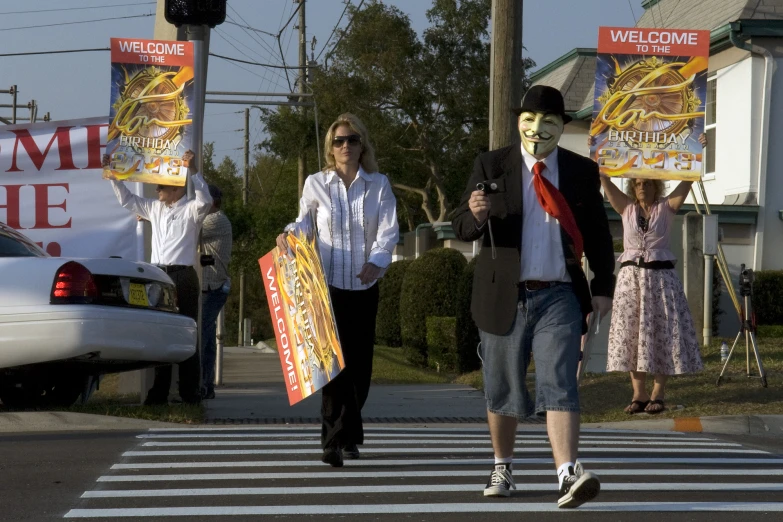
(176, 223)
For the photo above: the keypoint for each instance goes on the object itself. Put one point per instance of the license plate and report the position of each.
(137, 295)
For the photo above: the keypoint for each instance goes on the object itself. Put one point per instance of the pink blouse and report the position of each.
(652, 245)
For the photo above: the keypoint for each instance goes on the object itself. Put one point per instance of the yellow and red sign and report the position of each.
(301, 311)
(649, 107)
(150, 119)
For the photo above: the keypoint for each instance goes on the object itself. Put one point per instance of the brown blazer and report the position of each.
(495, 283)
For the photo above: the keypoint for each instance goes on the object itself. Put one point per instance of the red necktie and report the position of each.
(553, 202)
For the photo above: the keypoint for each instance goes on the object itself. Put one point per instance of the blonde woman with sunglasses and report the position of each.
(356, 214)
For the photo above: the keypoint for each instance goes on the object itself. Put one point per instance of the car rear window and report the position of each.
(16, 245)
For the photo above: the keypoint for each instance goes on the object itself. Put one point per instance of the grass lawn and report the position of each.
(107, 401)
(604, 395)
(389, 366)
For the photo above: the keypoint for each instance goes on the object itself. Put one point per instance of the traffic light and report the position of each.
(195, 12)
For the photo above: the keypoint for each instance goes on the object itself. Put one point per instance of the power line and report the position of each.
(260, 41)
(635, 21)
(263, 45)
(57, 52)
(347, 4)
(220, 34)
(256, 63)
(74, 8)
(229, 58)
(252, 29)
(77, 22)
(343, 33)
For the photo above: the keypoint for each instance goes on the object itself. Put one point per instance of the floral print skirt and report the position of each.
(652, 329)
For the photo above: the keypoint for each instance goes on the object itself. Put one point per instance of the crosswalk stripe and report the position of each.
(370, 509)
(298, 435)
(698, 461)
(400, 466)
(542, 443)
(641, 472)
(300, 451)
(316, 430)
(420, 488)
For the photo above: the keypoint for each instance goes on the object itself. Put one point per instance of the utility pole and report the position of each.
(245, 177)
(505, 74)
(302, 85)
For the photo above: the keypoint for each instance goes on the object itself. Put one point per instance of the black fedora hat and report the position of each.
(542, 98)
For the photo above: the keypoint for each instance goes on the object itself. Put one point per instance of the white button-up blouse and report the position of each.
(356, 225)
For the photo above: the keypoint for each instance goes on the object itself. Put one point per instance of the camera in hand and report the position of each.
(207, 260)
(488, 187)
(745, 281)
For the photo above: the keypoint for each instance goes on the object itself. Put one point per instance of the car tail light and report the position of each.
(73, 284)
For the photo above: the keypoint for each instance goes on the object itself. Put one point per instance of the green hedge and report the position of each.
(442, 343)
(428, 289)
(387, 324)
(768, 296)
(467, 332)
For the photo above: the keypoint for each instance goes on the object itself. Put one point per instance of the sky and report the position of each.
(76, 85)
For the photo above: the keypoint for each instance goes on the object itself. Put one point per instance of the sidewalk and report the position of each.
(253, 393)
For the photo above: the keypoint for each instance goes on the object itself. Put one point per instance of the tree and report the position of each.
(272, 204)
(425, 100)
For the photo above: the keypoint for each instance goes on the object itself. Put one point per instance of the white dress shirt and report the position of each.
(175, 228)
(356, 225)
(542, 246)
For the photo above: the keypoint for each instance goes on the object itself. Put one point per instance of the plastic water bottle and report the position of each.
(724, 352)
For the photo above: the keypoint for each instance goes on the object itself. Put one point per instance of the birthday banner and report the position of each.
(150, 116)
(649, 107)
(302, 314)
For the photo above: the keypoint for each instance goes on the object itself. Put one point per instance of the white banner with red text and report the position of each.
(52, 192)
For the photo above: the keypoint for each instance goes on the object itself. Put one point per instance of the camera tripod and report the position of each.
(750, 340)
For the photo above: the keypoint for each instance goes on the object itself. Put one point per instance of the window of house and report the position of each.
(710, 125)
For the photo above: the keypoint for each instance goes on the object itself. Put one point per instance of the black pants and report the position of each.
(343, 398)
(188, 290)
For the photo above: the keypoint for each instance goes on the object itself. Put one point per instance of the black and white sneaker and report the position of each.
(578, 487)
(500, 482)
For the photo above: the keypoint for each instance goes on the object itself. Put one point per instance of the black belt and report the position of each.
(649, 265)
(533, 286)
(173, 268)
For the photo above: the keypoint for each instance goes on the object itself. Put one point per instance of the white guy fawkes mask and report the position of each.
(540, 132)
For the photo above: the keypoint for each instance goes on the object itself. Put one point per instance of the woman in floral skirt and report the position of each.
(652, 330)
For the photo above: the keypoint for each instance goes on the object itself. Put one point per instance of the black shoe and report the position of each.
(351, 452)
(500, 481)
(333, 457)
(578, 487)
(208, 394)
(154, 401)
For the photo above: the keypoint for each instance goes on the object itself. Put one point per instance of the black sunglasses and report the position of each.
(353, 139)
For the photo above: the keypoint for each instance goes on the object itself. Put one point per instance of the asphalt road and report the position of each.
(429, 474)
(42, 474)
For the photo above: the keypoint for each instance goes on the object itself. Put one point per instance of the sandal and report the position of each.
(656, 402)
(636, 407)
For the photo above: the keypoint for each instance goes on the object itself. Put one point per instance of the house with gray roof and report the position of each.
(743, 177)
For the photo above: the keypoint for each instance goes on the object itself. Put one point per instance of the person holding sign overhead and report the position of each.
(652, 330)
(537, 208)
(176, 222)
(356, 214)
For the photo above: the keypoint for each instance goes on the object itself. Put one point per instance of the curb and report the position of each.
(756, 425)
(35, 421)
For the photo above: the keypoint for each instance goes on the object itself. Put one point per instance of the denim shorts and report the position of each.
(548, 326)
